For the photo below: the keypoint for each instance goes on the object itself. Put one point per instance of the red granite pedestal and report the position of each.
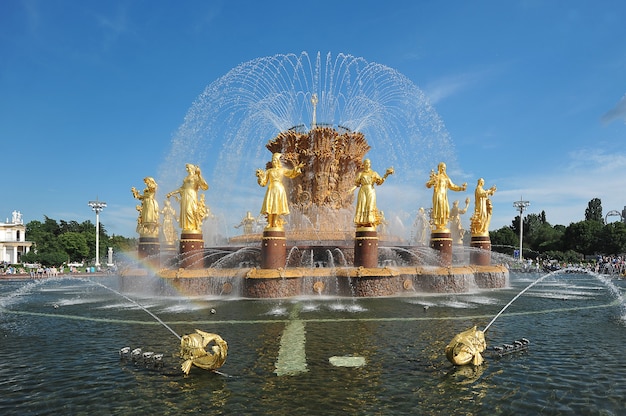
(442, 242)
(366, 247)
(149, 251)
(481, 250)
(273, 249)
(191, 250)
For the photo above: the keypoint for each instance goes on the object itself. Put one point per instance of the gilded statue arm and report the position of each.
(464, 210)
(357, 183)
(457, 187)
(388, 172)
(262, 177)
(292, 173)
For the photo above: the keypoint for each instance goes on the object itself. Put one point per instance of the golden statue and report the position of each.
(190, 216)
(248, 223)
(479, 223)
(169, 215)
(456, 228)
(275, 201)
(148, 221)
(466, 347)
(193, 351)
(367, 214)
(440, 213)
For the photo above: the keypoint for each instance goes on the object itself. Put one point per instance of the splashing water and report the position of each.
(238, 113)
(607, 282)
(138, 305)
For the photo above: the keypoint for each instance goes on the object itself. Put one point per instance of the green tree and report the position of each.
(583, 237)
(613, 238)
(55, 243)
(549, 238)
(504, 240)
(533, 225)
(594, 211)
(75, 245)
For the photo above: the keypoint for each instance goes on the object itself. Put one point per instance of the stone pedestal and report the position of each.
(481, 250)
(442, 242)
(149, 251)
(366, 247)
(273, 249)
(191, 250)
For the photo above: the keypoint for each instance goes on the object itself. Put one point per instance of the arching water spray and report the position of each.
(609, 285)
(228, 125)
(134, 302)
(466, 347)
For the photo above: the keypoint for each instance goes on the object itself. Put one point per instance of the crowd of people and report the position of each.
(39, 272)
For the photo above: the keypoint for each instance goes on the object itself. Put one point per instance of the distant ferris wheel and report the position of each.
(613, 213)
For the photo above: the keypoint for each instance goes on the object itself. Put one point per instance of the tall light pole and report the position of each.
(97, 206)
(521, 205)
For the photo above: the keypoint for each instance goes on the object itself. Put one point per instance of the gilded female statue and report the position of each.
(248, 223)
(148, 221)
(275, 202)
(367, 214)
(190, 220)
(479, 223)
(422, 227)
(456, 227)
(440, 181)
(169, 215)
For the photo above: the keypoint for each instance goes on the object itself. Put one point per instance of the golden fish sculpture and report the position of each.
(465, 348)
(193, 351)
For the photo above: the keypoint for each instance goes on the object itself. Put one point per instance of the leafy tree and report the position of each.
(532, 226)
(504, 240)
(55, 243)
(75, 245)
(583, 237)
(613, 238)
(594, 211)
(549, 238)
(70, 227)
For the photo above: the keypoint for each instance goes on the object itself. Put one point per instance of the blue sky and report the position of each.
(531, 93)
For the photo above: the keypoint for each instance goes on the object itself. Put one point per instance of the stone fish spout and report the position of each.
(465, 347)
(193, 351)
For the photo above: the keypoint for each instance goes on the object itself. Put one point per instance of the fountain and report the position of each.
(359, 354)
(325, 162)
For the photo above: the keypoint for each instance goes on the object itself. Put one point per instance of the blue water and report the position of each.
(60, 342)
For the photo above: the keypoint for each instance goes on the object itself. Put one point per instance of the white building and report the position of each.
(13, 239)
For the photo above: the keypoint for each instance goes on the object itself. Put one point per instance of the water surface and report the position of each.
(60, 342)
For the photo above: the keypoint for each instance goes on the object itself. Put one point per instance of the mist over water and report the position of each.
(227, 127)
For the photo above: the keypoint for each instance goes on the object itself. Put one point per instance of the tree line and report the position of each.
(58, 242)
(567, 244)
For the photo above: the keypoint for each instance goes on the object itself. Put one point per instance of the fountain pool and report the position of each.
(326, 355)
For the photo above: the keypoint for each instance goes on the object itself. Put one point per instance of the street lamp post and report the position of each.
(97, 206)
(521, 205)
